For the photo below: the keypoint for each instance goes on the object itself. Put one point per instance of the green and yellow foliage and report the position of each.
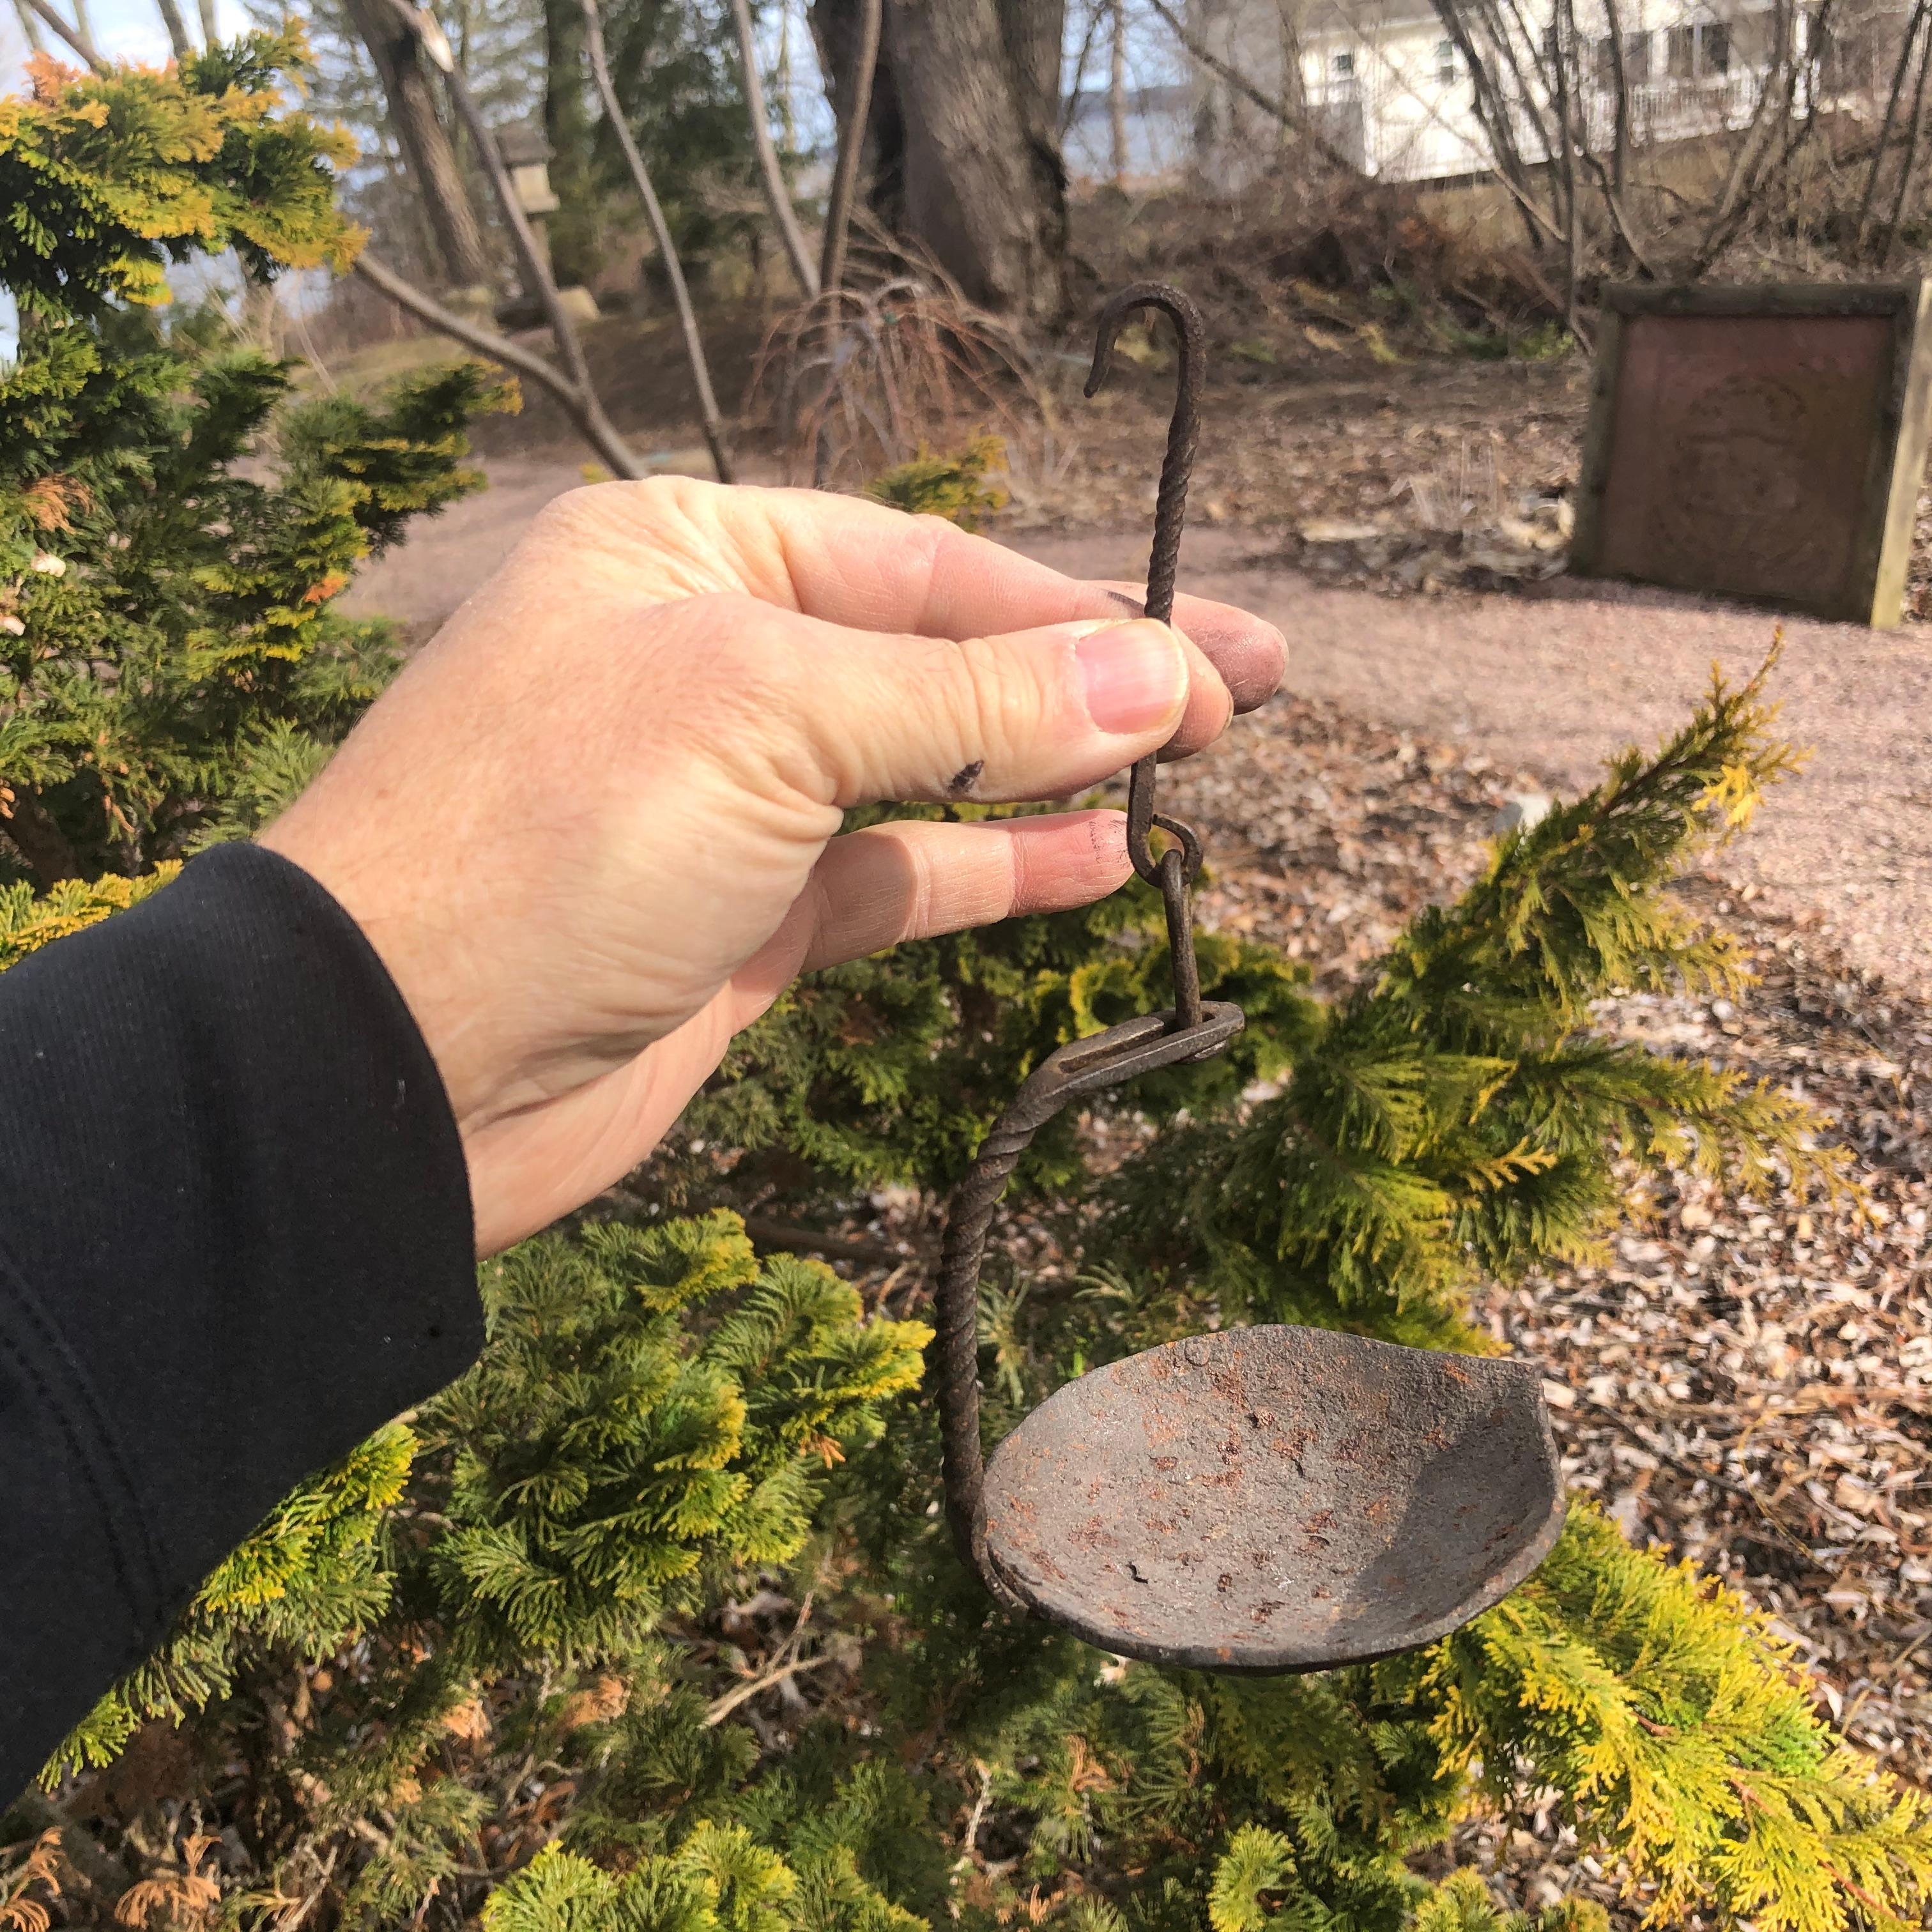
(956, 487)
(170, 667)
(491, 1667)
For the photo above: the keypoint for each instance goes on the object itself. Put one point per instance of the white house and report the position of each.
(1387, 83)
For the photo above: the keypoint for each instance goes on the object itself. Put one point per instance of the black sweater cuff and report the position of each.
(235, 1237)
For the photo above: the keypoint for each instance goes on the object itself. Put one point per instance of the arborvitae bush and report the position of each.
(651, 1620)
(170, 667)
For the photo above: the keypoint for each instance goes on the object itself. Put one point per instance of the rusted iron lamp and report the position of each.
(1262, 1499)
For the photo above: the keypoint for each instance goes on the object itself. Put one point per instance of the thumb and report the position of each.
(1033, 714)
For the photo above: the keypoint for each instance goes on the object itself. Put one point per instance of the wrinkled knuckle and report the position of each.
(996, 704)
(673, 496)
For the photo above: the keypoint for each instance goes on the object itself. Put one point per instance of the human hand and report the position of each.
(590, 829)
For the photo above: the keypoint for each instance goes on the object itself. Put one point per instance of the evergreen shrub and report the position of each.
(650, 1622)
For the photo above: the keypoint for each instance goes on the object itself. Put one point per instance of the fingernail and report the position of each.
(1134, 674)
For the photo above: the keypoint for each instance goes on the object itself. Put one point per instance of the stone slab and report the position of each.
(1760, 443)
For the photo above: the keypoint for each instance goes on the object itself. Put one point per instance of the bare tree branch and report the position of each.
(721, 1707)
(537, 278)
(1491, 111)
(1199, 51)
(1752, 160)
(1914, 132)
(1101, 10)
(75, 37)
(851, 144)
(1620, 135)
(778, 197)
(1912, 26)
(595, 430)
(694, 345)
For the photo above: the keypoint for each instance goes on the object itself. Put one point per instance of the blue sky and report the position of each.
(127, 29)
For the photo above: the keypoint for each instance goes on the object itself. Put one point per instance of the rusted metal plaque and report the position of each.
(1760, 443)
(1276, 1498)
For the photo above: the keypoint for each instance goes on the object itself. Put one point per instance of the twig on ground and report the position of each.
(721, 1707)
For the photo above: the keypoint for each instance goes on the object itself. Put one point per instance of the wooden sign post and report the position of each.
(1763, 443)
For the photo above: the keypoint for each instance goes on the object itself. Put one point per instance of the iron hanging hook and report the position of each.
(1174, 871)
(1184, 428)
(1160, 1506)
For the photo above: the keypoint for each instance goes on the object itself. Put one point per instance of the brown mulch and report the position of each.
(1419, 476)
(1414, 475)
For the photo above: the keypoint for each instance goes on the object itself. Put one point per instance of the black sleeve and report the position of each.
(235, 1237)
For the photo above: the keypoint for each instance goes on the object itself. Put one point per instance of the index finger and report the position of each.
(870, 567)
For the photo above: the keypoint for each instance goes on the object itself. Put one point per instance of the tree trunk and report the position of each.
(855, 107)
(177, 27)
(570, 130)
(425, 143)
(211, 30)
(962, 140)
(837, 29)
(1034, 32)
(1117, 92)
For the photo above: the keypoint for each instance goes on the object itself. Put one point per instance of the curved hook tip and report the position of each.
(1178, 308)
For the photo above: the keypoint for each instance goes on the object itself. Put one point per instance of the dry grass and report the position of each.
(863, 379)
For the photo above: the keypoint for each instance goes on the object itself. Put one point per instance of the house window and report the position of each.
(1700, 51)
(1343, 67)
(1445, 63)
(1637, 60)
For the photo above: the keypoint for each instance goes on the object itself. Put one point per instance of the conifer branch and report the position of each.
(106, 1877)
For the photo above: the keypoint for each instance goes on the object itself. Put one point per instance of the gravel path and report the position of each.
(1549, 684)
(1554, 684)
